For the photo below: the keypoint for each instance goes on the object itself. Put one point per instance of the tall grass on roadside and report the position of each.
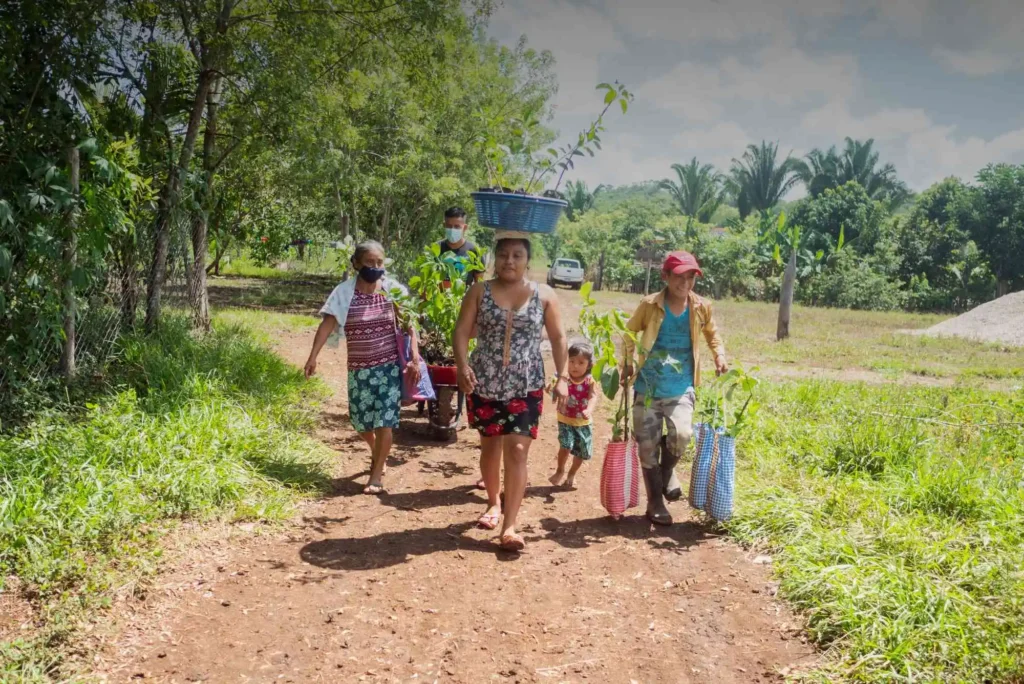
(898, 521)
(190, 427)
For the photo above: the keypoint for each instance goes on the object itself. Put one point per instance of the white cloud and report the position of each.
(689, 21)
(577, 36)
(622, 161)
(778, 75)
(907, 18)
(923, 151)
(717, 145)
(975, 62)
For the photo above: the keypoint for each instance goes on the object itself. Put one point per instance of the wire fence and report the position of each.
(104, 313)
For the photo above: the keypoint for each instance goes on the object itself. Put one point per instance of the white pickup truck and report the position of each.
(566, 272)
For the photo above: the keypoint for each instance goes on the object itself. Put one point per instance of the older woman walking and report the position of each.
(361, 310)
(504, 381)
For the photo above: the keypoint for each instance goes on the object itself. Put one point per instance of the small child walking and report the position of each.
(575, 434)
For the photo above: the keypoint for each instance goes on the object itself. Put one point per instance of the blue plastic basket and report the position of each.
(527, 213)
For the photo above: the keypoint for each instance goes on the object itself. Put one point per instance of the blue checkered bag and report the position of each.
(700, 473)
(722, 482)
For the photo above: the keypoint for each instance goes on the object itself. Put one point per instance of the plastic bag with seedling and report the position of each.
(620, 473)
(727, 406)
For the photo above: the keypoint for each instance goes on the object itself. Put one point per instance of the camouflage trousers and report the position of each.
(671, 418)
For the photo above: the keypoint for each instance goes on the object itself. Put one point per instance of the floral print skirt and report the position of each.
(374, 397)
(519, 416)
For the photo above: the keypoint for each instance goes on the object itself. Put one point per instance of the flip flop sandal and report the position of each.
(512, 542)
(480, 484)
(373, 489)
(488, 521)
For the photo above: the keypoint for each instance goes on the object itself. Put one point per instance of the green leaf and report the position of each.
(610, 96)
(585, 291)
(842, 235)
(610, 382)
(88, 146)
(781, 225)
(625, 105)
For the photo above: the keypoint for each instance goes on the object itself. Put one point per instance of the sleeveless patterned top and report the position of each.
(577, 402)
(507, 359)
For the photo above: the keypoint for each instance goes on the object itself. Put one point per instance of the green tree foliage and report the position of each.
(941, 264)
(580, 198)
(244, 125)
(846, 210)
(759, 180)
(858, 162)
(698, 190)
(994, 218)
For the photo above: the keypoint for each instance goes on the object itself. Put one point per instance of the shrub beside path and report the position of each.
(404, 588)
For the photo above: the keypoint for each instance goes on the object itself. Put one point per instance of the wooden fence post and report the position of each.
(67, 359)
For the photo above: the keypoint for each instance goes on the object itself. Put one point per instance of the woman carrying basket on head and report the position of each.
(504, 381)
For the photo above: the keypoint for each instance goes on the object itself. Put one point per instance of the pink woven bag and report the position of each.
(620, 474)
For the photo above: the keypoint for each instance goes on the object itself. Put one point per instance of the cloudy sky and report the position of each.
(939, 84)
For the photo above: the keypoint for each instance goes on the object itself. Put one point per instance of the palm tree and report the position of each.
(580, 199)
(759, 182)
(820, 171)
(858, 162)
(699, 190)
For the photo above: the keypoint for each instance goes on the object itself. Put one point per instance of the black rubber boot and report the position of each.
(656, 511)
(673, 490)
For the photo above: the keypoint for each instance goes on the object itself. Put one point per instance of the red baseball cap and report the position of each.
(681, 262)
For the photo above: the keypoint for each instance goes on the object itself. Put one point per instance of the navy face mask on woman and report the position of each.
(371, 274)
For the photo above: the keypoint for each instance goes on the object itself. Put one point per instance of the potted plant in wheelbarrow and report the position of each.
(502, 208)
(436, 294)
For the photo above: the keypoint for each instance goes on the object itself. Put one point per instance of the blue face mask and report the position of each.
(370, 274)
(453, 234)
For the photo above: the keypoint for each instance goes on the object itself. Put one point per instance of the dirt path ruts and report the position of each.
(403, 587)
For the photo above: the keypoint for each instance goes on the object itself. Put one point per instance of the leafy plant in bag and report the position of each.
(606, 332)
(501, 159)
(728, 402)
(435, 298)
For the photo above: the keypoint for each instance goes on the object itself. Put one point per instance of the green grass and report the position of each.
(188, 428)
(245, 267)
(839, 340)
(897, 520)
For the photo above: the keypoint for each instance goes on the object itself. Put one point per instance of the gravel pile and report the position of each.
(1001, 320)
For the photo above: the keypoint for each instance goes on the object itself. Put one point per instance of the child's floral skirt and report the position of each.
(374, 397)
(519, 416)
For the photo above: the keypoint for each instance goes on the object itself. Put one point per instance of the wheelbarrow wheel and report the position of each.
(445, 412)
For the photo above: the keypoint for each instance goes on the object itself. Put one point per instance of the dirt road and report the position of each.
(404, 588)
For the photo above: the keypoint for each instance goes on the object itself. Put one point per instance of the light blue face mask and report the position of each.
(453, 234)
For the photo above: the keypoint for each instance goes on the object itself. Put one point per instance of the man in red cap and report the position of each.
(669, 324)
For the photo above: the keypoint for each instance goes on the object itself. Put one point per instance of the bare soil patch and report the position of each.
(403, 587)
